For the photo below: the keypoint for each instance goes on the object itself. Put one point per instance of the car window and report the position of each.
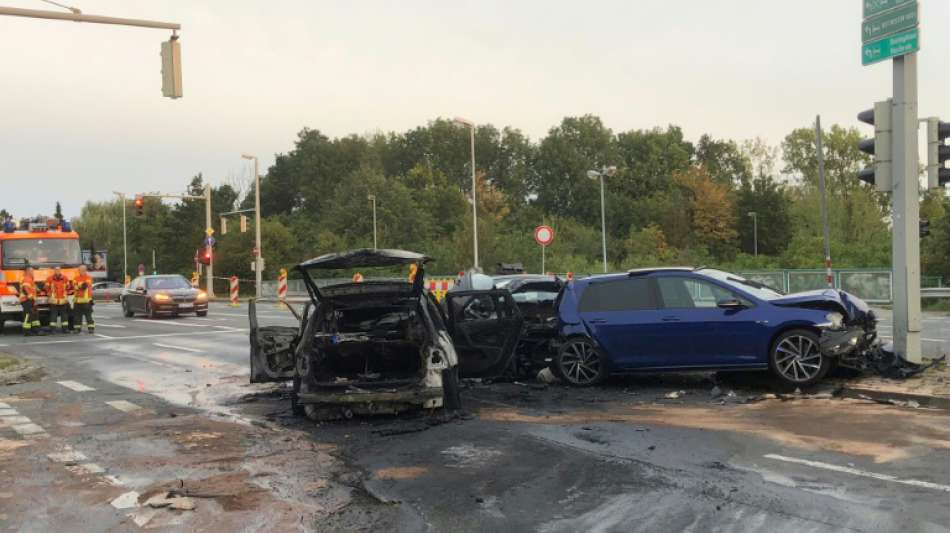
(678, 292)
(618, 295)
(534, 297)
(167, 283)
(480, 307)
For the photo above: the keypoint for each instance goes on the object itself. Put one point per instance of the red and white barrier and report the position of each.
(282, 285)
(234, 291)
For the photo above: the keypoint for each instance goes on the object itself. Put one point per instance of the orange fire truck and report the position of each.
(42, 244)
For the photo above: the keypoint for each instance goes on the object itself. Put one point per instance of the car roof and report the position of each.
(650, 270)
(364, 257)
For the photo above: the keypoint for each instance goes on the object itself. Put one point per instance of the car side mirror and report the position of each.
(140, 291)
(730, 303)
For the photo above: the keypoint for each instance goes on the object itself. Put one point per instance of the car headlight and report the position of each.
(161, 297)
(202, 296)
(835, 320)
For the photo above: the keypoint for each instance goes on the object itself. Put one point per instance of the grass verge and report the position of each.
(6, 361)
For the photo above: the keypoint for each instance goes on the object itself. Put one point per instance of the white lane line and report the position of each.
(4, 345)
(76, 386)
(67, 457)
(922, 338)
(858, 472)
(101, 336)
(123, 405)
(8, 412)
(134, 337)
(101, 325)
(5, 406)
(226, 328)
(173, 347)
(14, 420)
(170, 323)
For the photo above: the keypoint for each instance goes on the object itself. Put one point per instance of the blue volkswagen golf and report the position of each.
(704, 319)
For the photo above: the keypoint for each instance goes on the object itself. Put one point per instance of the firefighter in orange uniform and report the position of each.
(31, 319)
(58, 287)
(82, 303)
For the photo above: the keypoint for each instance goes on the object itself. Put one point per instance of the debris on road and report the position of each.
(675, 394)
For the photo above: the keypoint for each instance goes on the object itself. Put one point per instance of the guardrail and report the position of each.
(935, 292)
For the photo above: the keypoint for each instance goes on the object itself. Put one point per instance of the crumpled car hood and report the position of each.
(855, 308)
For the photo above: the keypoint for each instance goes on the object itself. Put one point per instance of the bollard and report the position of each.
(282, 288)
(234, 292)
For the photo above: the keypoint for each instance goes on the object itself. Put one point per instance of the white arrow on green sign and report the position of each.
(893, 21)
(873, 7)
(905, 42)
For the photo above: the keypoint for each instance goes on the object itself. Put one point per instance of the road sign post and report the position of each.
(544, 236)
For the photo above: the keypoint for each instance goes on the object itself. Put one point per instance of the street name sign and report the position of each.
(905, 42)
(895, 20)
(873, 7)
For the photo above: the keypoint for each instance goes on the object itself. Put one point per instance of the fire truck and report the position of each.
(43, 244)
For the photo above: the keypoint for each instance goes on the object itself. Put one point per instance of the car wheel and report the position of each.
(150, 311)
(201, 313)
(796, 358)
(451, 395)
(126, 311)
(580, 363)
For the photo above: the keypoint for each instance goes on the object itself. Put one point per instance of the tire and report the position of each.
(1, 325)
(201, 313)
(128, 313)
(295, 406)
(150, 311)
(451, 393)
(579, 363)
(795, 358)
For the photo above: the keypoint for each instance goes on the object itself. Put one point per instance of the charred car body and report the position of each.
(382, 346)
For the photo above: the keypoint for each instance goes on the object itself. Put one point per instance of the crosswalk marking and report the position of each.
(76, 386)
(68, 456)
(124, 406)
(173, 347)
(29, 429)
(4, 405)
(171, 323)
(8, 412)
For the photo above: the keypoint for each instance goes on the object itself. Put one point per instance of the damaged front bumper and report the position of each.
(849, 346)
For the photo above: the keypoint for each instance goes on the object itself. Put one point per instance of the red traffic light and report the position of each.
(139, 204)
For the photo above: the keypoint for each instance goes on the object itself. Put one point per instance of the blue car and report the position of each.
(663, 319)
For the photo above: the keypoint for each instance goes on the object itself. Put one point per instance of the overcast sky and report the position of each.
(82, 112)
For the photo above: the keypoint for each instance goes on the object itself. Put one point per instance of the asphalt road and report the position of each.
(623, 457)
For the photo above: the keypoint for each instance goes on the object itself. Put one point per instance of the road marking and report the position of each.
(858, 472)
(16, 419)
(126, 501)
(170, 323)
(29, 429)
(101, 325)
(133, 337)
(922, 338)
(92, 468)
(101, 336)
(67, 457)
(173, 347)
(5, 406)
(124, 406)
(226, 328)
(76, 386)
(8, 412)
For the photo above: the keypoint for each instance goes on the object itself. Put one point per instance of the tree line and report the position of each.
(671, 201)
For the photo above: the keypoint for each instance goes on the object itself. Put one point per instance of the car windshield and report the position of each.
(754, 288)
(167, 282)
(41, 252)
(534, 296)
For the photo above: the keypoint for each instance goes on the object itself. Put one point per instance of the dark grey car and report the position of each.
(163, 295)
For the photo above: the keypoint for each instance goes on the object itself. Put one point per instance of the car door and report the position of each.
(716, 336)
(621, 316)
(485, 327)
(272, 348)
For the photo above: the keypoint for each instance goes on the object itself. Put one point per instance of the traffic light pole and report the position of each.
(210, 280)
(906, 212)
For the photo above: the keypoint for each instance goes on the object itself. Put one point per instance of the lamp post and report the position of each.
(594, 174)
(471, 126)
(257, 226)
(125, 245)
(372, 198)
(755, 233)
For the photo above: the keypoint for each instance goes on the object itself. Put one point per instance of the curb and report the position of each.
(857, 393)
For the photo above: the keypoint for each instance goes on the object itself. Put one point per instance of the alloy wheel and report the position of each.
(798, 358)
(580, 363)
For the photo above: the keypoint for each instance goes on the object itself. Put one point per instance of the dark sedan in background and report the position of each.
(163, 295)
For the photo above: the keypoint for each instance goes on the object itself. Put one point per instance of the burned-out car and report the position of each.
(536, 296)
(382, 345)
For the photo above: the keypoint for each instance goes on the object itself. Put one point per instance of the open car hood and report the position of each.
(854, 307)
(364, 257)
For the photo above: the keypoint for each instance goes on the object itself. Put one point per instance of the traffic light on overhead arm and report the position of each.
(139, 206)
(879, 146)
(937, 153)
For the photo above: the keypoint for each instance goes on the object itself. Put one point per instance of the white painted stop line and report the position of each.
(76, 386)
(858, 472)
(124, 406)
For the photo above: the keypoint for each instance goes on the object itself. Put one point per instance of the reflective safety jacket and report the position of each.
(83, 288)
(27, 290)
(58, 288)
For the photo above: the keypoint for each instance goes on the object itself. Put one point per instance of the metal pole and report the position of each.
(375, 242)
(79, 17)
(603, 221)
(125, 242)
(154, 270)
(257, 229)
(210, 281)
(906, 214)
(474, 205)
(542, 259)
(755, 234)
(829, 277)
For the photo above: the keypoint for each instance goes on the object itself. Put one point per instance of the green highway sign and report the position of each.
(905, 42)
(873, 7)
(893, 21)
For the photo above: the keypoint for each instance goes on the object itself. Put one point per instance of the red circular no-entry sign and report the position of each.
(544, 235)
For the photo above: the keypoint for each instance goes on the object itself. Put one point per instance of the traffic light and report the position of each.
(880, 146)
(937, 153)
(203, 255)
(171, 68)
(139, 206)
(924, 227)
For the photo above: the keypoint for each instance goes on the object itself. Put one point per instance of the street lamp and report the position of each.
(125, 245)
(372, 198)
(594, 174)
(257, 225)
(471, 126)
(755, 233)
